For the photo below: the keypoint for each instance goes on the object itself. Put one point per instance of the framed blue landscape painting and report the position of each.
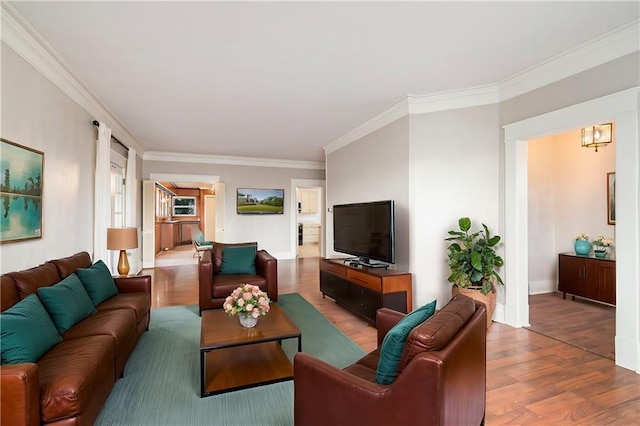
(21, 192)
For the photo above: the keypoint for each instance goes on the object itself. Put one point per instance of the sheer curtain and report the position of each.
(130, 206)
(102, 207)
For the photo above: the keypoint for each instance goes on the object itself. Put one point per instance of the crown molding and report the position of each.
(609, 46)
(612, 45)
(390, 114)
(231, 160)
(21, 37)
(456, 99)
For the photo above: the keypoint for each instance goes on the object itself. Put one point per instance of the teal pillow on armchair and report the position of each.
(393, 343)
(238, 260)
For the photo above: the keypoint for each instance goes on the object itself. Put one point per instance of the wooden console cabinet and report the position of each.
(587, 277)
(364, 290)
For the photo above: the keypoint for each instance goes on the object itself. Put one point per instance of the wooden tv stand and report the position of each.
(364, 290)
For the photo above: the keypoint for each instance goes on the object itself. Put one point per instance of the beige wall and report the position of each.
(567, 195)
(611, 77)
(35, 113)
(374, 168)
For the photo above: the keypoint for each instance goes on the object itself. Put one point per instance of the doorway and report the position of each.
(169, 235)
(308, 218)
(557, 188)
(623, 108)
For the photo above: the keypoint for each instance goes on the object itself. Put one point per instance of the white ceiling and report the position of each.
(282, 80)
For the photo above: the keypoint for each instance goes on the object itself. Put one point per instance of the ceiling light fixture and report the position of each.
(597, 136)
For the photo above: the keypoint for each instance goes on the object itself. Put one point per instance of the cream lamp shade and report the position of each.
(122, 239)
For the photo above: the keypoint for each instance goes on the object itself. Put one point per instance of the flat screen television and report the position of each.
(259, 201)
(365, 230)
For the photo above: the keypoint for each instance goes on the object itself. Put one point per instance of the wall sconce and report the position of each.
(597, 136)
(122, 239)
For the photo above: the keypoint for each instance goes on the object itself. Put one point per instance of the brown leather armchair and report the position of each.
(215, 287)
(441, 378)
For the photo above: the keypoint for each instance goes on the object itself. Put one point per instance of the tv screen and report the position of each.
(365, 230)
(260, 201)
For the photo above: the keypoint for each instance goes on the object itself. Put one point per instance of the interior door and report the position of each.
(209, 217)
(220, 213)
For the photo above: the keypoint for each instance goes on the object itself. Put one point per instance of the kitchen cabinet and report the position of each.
(308, 202)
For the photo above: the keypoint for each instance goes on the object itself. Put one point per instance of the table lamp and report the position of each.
(122, 239)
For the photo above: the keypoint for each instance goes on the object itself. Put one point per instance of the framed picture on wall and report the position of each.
(21, 192)
(260, 201)
(611, 198)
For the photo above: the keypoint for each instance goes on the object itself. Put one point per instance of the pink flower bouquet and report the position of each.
(248, 299)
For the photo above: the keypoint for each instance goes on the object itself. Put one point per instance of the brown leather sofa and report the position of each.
(215, 287)
(441, 376)
(70, 383)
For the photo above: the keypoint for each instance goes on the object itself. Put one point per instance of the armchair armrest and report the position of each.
(19, 394)
(385, 320)
(324, 394)
(136, 284)
(267, 267)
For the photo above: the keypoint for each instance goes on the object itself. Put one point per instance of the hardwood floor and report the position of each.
(531, 379)
(580, 322)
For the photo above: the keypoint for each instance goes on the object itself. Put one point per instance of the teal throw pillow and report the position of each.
(27, 331)
(393, 343)
(98, 282)
(67, 302)
(238, 260)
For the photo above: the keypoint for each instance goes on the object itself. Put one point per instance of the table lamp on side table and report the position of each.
(122, 239)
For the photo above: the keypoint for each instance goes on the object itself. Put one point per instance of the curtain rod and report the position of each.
(96, 123)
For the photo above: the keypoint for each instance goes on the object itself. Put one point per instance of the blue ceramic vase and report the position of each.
(582, 247)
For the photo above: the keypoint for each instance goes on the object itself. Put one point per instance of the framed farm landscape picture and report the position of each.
(21, 192)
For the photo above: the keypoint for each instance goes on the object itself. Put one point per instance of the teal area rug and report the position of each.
(161, 383)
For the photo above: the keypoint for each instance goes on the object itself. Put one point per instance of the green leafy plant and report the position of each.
(472, 257)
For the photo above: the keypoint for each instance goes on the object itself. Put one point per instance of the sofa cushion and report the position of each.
(139, 303)
(223, 285)
(120, 325)
(67, 302)
(437, 332)
(238, 260)
(98, 282)
(68, 265)
(218, 249)
(30, 280)
(394, 342)
(71, 375)
(27, 331)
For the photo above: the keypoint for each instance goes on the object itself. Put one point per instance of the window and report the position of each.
(184, 206)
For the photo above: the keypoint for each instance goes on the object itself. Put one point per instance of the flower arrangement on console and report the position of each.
(601, 243)
(582, 236)
(247, 299)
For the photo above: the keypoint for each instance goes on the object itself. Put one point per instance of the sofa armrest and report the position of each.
(19, 394)
(324, 394)
(267, 267)
(385, 320)
(135, 284)
(205, 281)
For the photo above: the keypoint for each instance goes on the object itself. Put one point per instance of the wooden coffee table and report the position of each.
(233, 357)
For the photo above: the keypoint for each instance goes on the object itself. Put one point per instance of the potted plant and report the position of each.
(473, 259)
(600, 245)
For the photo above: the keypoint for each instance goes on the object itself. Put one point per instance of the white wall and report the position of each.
(373, 168)
(37, 114)
(454, 173)
(273, 233)
(567, 196)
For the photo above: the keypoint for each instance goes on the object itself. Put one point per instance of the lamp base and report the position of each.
(123, 263)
